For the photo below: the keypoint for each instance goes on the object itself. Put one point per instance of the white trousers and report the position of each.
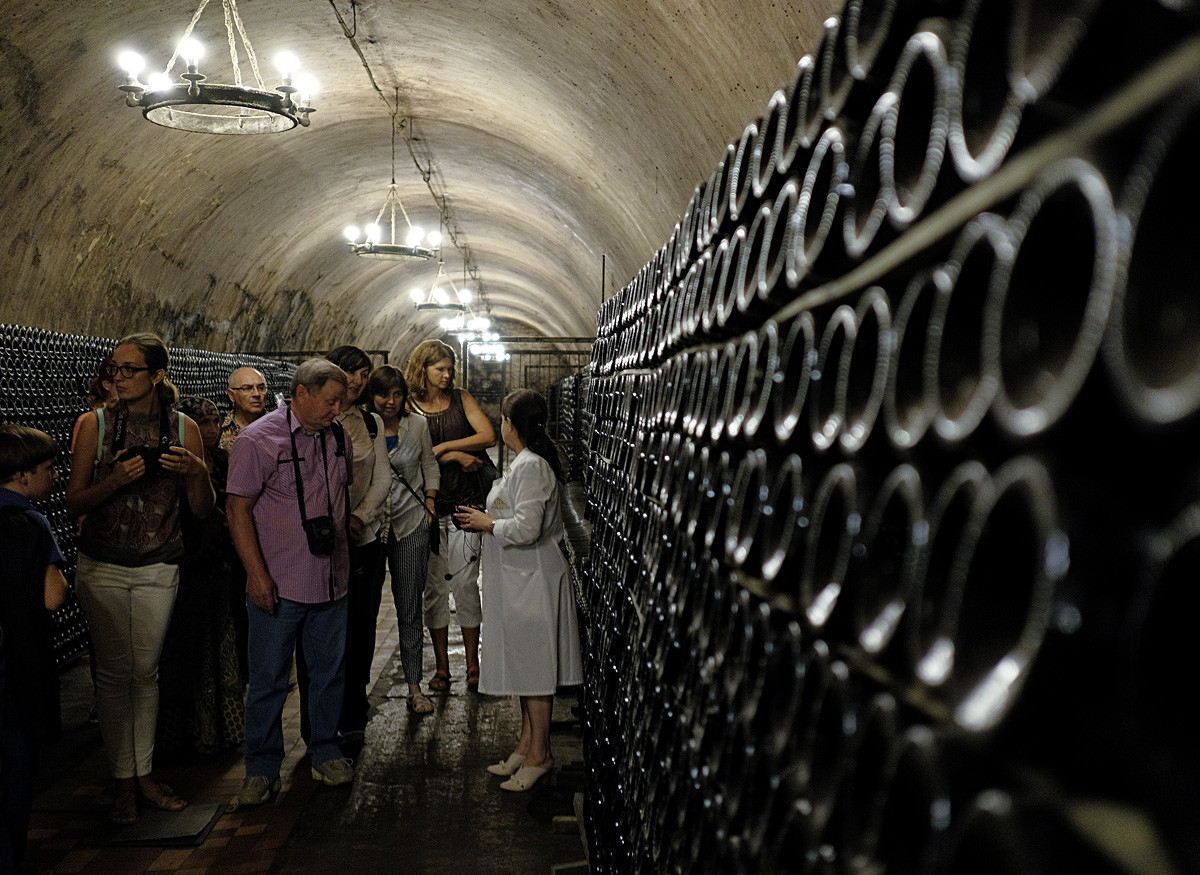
(454, 569)
(128, 611)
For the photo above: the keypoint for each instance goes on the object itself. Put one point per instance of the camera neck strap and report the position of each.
(119, 423)
(300, 479)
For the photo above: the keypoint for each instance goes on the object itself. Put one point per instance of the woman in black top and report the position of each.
(460, 432)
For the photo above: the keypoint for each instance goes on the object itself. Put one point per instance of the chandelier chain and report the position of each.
(445, 218)
(187, 33)
(232, 20)
(233, 55)
(231, 7)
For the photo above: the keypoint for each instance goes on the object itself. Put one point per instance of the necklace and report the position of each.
(427, 413)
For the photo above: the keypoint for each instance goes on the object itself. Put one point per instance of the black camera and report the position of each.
(150, 455)
(321, 534)
(461, 507)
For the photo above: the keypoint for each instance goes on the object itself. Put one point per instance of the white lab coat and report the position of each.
(530, 636)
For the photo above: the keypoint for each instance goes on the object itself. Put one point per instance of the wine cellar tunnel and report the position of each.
(886, 434)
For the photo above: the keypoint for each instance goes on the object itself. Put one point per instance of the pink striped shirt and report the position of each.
(260, 468)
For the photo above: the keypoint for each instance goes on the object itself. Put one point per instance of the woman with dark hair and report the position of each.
(368, 492)
(130, 471)
(409, 514)
(200, 680)
(532, 643)
(460, 432)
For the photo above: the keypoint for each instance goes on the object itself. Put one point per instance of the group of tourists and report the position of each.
(224, 552)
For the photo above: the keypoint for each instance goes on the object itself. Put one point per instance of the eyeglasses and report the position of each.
(125, 371)
(261, 387)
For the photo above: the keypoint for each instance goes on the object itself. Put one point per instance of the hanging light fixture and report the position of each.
(368, 241)
(194, 104)
(443, 294)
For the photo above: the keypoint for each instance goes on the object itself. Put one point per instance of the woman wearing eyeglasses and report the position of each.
(131, 466)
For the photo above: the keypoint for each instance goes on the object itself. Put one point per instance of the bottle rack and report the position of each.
(44, 377)
(569, 424)
(891, 476)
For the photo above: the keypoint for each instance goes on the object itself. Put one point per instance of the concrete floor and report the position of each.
(421, 799)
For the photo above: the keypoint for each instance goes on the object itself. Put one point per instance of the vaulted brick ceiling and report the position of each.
(567, 137)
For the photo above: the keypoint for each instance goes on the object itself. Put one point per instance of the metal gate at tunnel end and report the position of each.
(543, 364)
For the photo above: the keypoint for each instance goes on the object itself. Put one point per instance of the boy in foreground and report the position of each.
(31, 587)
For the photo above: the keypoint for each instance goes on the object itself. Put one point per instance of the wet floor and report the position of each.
(421, 800)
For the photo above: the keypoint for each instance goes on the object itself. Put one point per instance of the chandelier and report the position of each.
(417, 244)
(443, 294)
(194, 104)
(475, 335)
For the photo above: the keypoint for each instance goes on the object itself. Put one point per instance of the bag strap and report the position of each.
(339, 437)
(99, 436)
(408, 486)
(372, 428)
(400, 476)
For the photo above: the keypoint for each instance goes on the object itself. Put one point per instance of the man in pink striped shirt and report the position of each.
(288, 478)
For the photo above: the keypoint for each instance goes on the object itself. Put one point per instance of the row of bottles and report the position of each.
(44, 379)
(891, 470)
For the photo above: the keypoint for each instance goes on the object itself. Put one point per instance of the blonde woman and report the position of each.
(460, 432)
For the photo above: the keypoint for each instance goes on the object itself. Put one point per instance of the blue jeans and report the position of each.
(272, 641)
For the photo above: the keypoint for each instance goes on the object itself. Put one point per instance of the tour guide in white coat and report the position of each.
(530, 641)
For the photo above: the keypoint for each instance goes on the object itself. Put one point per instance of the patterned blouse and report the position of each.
(139, 523)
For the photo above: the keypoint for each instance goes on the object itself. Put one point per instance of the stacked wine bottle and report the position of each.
(892, 480)
(569, 424)
(44, 377)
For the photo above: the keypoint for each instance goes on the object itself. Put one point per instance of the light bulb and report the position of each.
(159, 82)
(416, 295)
(439, 295)
(372, 233)
(479, 323)
(352, 233)
(466, 295)
(414, 235)
(308, 88)
(435, 239)
(191, 52)
(132, 63)
(286, 63)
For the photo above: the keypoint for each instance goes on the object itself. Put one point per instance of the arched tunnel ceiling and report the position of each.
(566, 136)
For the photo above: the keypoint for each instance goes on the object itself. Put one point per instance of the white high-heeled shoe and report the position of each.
(507, 767)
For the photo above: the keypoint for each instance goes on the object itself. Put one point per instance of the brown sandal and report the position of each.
(440, 682)
(163, 798)
(473, 678)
